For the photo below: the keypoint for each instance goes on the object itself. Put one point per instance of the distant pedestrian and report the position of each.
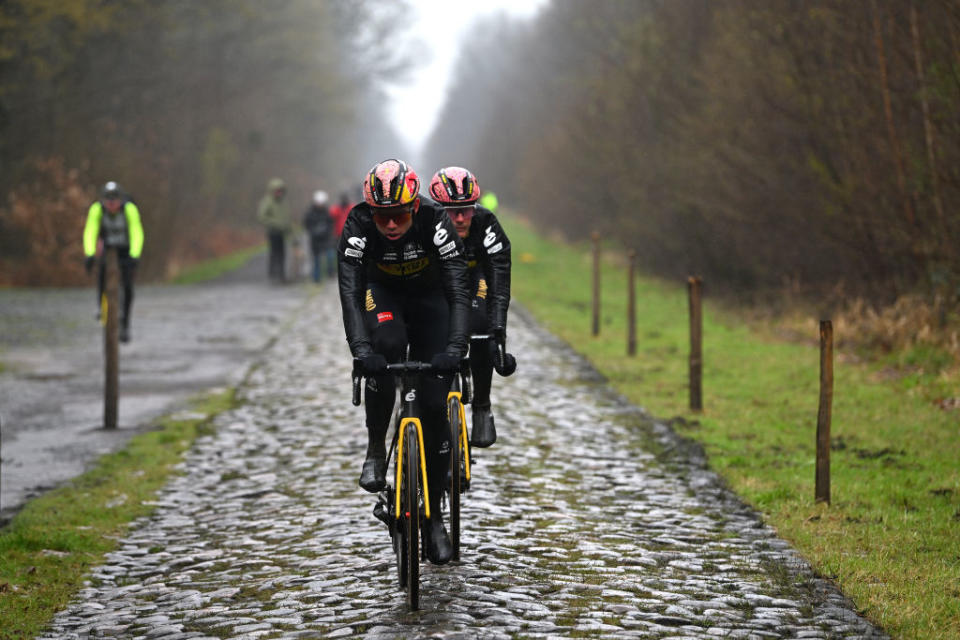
(489, 201)
(319, 226)
(274, 214)
(114, 220)
(339, 213)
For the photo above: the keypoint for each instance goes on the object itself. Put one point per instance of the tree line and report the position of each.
(191, 106)
(813, 144)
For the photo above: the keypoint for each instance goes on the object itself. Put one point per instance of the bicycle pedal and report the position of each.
(381, 512)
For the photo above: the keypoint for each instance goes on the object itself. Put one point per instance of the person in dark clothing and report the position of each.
(403, 282)
(318, 223)
(488, 259)
(115, 220)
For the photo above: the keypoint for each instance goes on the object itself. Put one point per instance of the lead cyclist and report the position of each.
(403, 282)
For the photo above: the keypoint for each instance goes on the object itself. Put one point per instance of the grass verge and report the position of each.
(891, 537)
(49, 546)
(216, 267)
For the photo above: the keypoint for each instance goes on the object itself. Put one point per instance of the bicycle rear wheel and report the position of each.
(456, 468)
(410, 512)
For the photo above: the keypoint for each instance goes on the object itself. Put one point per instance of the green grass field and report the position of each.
(891, 537)
(215, 267)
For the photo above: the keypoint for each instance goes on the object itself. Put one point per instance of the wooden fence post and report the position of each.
(110, 338)
(696, 344)
(822, 488)
(631, 304)
(595, 236)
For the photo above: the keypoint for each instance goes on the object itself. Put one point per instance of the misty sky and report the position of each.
(436, 27)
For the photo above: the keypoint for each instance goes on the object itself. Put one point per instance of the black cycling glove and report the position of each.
(508, 367)
(443, 362)
(373, 364)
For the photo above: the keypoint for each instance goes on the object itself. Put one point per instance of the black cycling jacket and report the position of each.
(488, 248)
(430, 255)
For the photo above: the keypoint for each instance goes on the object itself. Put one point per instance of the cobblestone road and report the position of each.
(586, 519)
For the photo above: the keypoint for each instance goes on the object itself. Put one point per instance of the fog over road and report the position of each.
(587, 518)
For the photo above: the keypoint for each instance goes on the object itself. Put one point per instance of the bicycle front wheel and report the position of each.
(456, 468)
(410, 512)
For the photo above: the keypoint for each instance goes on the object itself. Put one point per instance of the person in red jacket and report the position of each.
(339, 214)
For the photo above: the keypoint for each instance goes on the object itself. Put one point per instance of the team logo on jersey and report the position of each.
(402, 269)
(441, 235)
(353, 253)
(495, 248)
(384, 316)
(359, 243)
(490, 237)
(447, 248)
(411, 396)
(371, 305)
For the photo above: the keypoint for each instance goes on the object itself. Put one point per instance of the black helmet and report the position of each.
(111, 190)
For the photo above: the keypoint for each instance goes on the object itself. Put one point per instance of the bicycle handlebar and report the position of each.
(504, 363)
(411, 366)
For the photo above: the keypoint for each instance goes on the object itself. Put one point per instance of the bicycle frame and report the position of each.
(409, 409)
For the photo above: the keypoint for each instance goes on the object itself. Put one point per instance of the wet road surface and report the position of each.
(186, 339)
(586, 519)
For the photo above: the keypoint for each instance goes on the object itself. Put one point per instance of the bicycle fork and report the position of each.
(415, 423)
(462, 436)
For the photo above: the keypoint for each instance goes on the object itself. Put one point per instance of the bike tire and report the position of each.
(456, 463)
(410, 508)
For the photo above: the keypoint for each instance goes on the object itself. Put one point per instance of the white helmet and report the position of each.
(320, 198)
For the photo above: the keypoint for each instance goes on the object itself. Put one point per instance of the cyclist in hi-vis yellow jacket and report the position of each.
(115, 220)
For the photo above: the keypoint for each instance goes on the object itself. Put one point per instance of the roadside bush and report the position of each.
(41, 227)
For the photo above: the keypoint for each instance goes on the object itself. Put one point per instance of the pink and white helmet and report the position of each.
(454, 187)
(391, 183)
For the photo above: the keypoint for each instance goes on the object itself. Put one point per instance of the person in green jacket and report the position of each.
(274, 214)
(489, 201)
(115, 220)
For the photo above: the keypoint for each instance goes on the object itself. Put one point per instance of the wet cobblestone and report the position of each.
(586, 519)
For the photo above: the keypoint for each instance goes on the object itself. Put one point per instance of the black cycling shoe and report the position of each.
(439, 549)
(373, 478)
(124, 333)
(484, 433)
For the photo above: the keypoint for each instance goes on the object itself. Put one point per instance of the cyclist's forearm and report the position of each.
(459, 324)
(352, 290)
(498, 301)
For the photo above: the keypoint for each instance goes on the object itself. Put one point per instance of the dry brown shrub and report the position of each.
(46, 213)
(911, 321)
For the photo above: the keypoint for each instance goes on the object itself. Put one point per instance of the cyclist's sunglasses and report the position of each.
(466, 212)
(400, 217)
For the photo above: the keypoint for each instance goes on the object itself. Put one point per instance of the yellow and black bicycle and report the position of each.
(459, 396)
(401, 505)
